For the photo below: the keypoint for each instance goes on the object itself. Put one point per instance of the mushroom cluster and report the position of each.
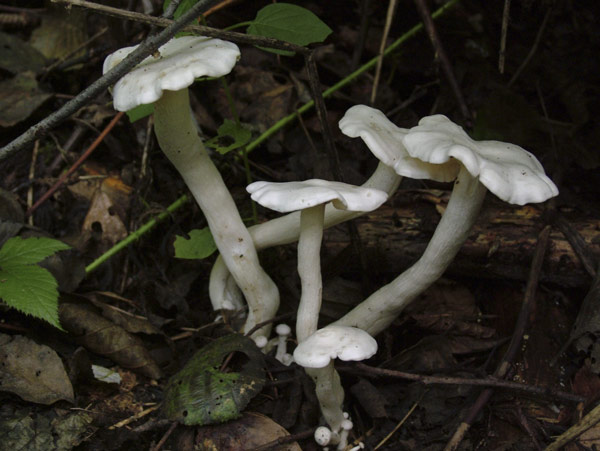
(435, 149)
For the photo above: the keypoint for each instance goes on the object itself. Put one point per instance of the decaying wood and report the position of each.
(500, 245)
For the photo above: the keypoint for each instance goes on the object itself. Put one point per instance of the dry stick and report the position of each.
(581, 248)
(233, 36)
(76, 165)
(164, 438)
(489, 381)
(591, 419)
(504, 32)
(386, 30)
(526, 307)
(443, 57)
(534, 47)
(147, 47)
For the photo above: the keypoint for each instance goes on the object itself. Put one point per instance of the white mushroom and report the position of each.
(283, 332)
(316, 355)
(163, 80)
(384, 140)
(322, 435)
(310, 197)
(507, 170)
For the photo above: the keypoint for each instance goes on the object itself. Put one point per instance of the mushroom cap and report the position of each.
(323, 435)
(342, 342)
(181, 61)
(507, 170)
(283, 329)
(293, 196)
(384, 139)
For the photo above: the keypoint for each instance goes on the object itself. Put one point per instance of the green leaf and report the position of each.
(290, 23)
(140, 112)
(200, 244)
(203, 394)
(230, 136)
(19, 251)
(25, 286)
(32, 290)
(183, 7)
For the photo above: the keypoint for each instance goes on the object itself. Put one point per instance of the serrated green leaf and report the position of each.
(30, 289)
(19, 251)
(140, 112)
(227, 132)
(290, 23)
(200, 244)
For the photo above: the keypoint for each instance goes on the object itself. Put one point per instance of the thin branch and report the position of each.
(490, 381)
(443, 57)
(147, 47)
(515, 344)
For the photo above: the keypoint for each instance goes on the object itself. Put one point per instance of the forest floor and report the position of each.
(500, 354)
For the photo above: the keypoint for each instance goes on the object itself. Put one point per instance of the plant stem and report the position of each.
(132, 237)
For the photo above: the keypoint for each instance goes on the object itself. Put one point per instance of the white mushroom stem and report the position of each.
(178, 138)
(330, 394)
(378, 311)
(309, 270)
(286, 229)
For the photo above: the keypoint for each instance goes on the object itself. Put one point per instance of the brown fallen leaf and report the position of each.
(103, 337)
(250, 431)
(32, 371)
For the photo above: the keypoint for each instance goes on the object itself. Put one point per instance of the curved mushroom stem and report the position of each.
(286, 229)
(378, 311)
(178, 138)
(330, 394)
(309, 269)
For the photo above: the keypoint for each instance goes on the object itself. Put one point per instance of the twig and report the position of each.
(578, 244)
(34, 155)
(386, 30)
(137, 234)
(503, 34)
(75, 165)
(534, 47)
(526, 307)
(399, 425)
(489, 381)
(269, 321)
(232, 36)
(164, 438)
(315, 86)
(149, 46)
(590, 420)
(443, 57)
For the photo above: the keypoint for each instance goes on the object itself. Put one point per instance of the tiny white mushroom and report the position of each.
(322, 435)
(507, 170)
(283, 332)
(163, 80)
(347, 426)
(316, 355)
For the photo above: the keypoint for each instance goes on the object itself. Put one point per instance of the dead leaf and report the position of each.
(447, 307)
(250, 431)
(32, 371)
(17, 56)
(35, 429)
(106, 338)
(60, 33)
(19, 97)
